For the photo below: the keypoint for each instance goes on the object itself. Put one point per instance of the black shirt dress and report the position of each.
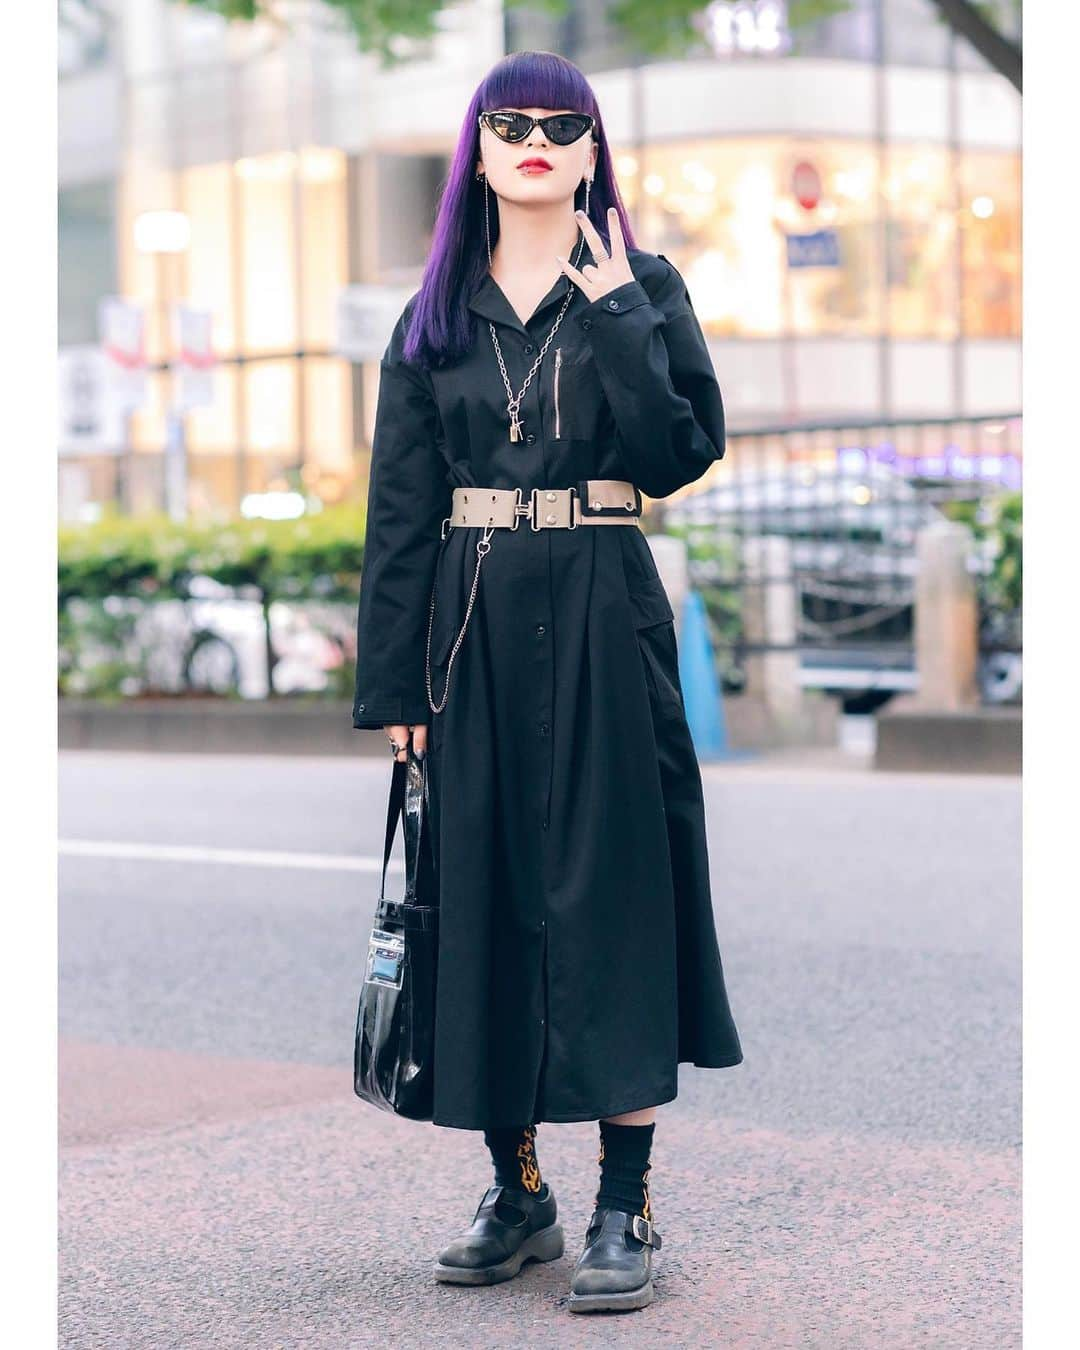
(578, 960)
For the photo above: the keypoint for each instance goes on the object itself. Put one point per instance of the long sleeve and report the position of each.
(409, 494)
(658, 376)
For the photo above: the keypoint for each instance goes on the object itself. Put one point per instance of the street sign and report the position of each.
(365, 318)
(90, 422)
(732, 27)
(819, 249)
(806, 185)
(122, 330)
(194, 363)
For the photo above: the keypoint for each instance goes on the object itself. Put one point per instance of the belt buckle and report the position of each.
(534, 505)
(646, 1225)
(520, 509)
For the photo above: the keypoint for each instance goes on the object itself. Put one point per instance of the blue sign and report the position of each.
(820, 249)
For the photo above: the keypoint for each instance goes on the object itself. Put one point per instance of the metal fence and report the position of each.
(802, 539)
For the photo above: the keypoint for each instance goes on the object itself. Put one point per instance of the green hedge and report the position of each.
(317, 556)
(109, 572)
(998, 526)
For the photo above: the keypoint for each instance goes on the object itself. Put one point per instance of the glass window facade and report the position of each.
(86, 231)
(723, 212)
(906, 245)
(920, 231)
(268, 255)
(990, 221)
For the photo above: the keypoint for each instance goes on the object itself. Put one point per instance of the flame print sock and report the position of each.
(513, 1152)
(624, 1167)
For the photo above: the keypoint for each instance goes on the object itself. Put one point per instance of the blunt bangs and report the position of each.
(537, 80)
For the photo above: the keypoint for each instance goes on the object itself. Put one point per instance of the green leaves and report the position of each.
(651, 27)
(153, 557)
(998, 527)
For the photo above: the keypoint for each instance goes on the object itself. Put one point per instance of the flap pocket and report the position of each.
(650, 604)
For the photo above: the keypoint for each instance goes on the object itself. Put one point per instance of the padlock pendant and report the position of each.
(515, 429)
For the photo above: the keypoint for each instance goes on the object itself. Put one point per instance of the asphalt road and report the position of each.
(854, 1183)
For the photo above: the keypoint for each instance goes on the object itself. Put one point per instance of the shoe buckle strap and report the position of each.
(644, 1231)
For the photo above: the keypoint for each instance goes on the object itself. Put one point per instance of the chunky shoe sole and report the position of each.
(546, 1244)
(624, 1300)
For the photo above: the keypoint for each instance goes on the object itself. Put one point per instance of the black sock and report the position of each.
(513, 1151)
(624, 1167)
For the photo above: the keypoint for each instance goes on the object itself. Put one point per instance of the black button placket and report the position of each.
(538, 631)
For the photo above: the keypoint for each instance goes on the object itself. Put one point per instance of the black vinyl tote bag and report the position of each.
(395, 1022)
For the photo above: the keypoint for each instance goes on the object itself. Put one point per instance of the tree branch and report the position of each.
(1002, 53)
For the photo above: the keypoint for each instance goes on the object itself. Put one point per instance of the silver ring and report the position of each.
(395, 748)
(602, 256)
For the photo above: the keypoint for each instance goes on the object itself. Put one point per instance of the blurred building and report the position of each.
(843, 200)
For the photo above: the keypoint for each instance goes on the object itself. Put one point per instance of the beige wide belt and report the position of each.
(607, 501)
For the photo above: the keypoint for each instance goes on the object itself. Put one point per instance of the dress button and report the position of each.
(544, 728)
(541, 630)
(586, 323)
(528, 349)
(530, 439)
(360, 707)
(613, 304)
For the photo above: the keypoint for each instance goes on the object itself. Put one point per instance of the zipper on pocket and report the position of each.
(558, 367)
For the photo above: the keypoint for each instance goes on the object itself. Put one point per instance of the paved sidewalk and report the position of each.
(270, 1209)
(853, 1184)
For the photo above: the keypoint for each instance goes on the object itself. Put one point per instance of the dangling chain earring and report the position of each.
(487, 215)
(588, 185)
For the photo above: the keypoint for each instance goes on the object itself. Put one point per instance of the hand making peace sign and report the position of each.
(606, 273)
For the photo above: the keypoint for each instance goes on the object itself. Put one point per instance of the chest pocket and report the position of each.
(576, 395)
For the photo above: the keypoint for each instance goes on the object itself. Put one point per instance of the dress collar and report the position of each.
(490, 302)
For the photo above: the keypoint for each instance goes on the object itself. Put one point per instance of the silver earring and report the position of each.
(487, 219)
(588, 185)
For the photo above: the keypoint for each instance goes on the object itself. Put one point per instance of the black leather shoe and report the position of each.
(510, 1227)
(615, 1269)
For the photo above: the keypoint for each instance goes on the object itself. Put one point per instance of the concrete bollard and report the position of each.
(770, 617)
(670, 556)
(946, 619)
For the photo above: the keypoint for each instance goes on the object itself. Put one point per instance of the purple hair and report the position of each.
(440, 325)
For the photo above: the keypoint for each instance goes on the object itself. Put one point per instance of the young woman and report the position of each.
(547, 374)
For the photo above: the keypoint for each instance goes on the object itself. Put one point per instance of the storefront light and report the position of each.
(709, 277)
(982, 207)
(653, 184)
(853, 185)
(162, 232)
(697, 174)
(320, 165)
(277, 166)
(626, 165)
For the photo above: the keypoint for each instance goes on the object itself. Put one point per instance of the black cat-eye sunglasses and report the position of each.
(559, 128)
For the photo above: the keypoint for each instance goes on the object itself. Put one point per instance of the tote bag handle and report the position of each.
(409, 799)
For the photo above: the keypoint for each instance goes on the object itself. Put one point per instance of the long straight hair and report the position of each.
(440, 327)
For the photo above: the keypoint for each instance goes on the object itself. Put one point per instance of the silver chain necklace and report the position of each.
(513, 401)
